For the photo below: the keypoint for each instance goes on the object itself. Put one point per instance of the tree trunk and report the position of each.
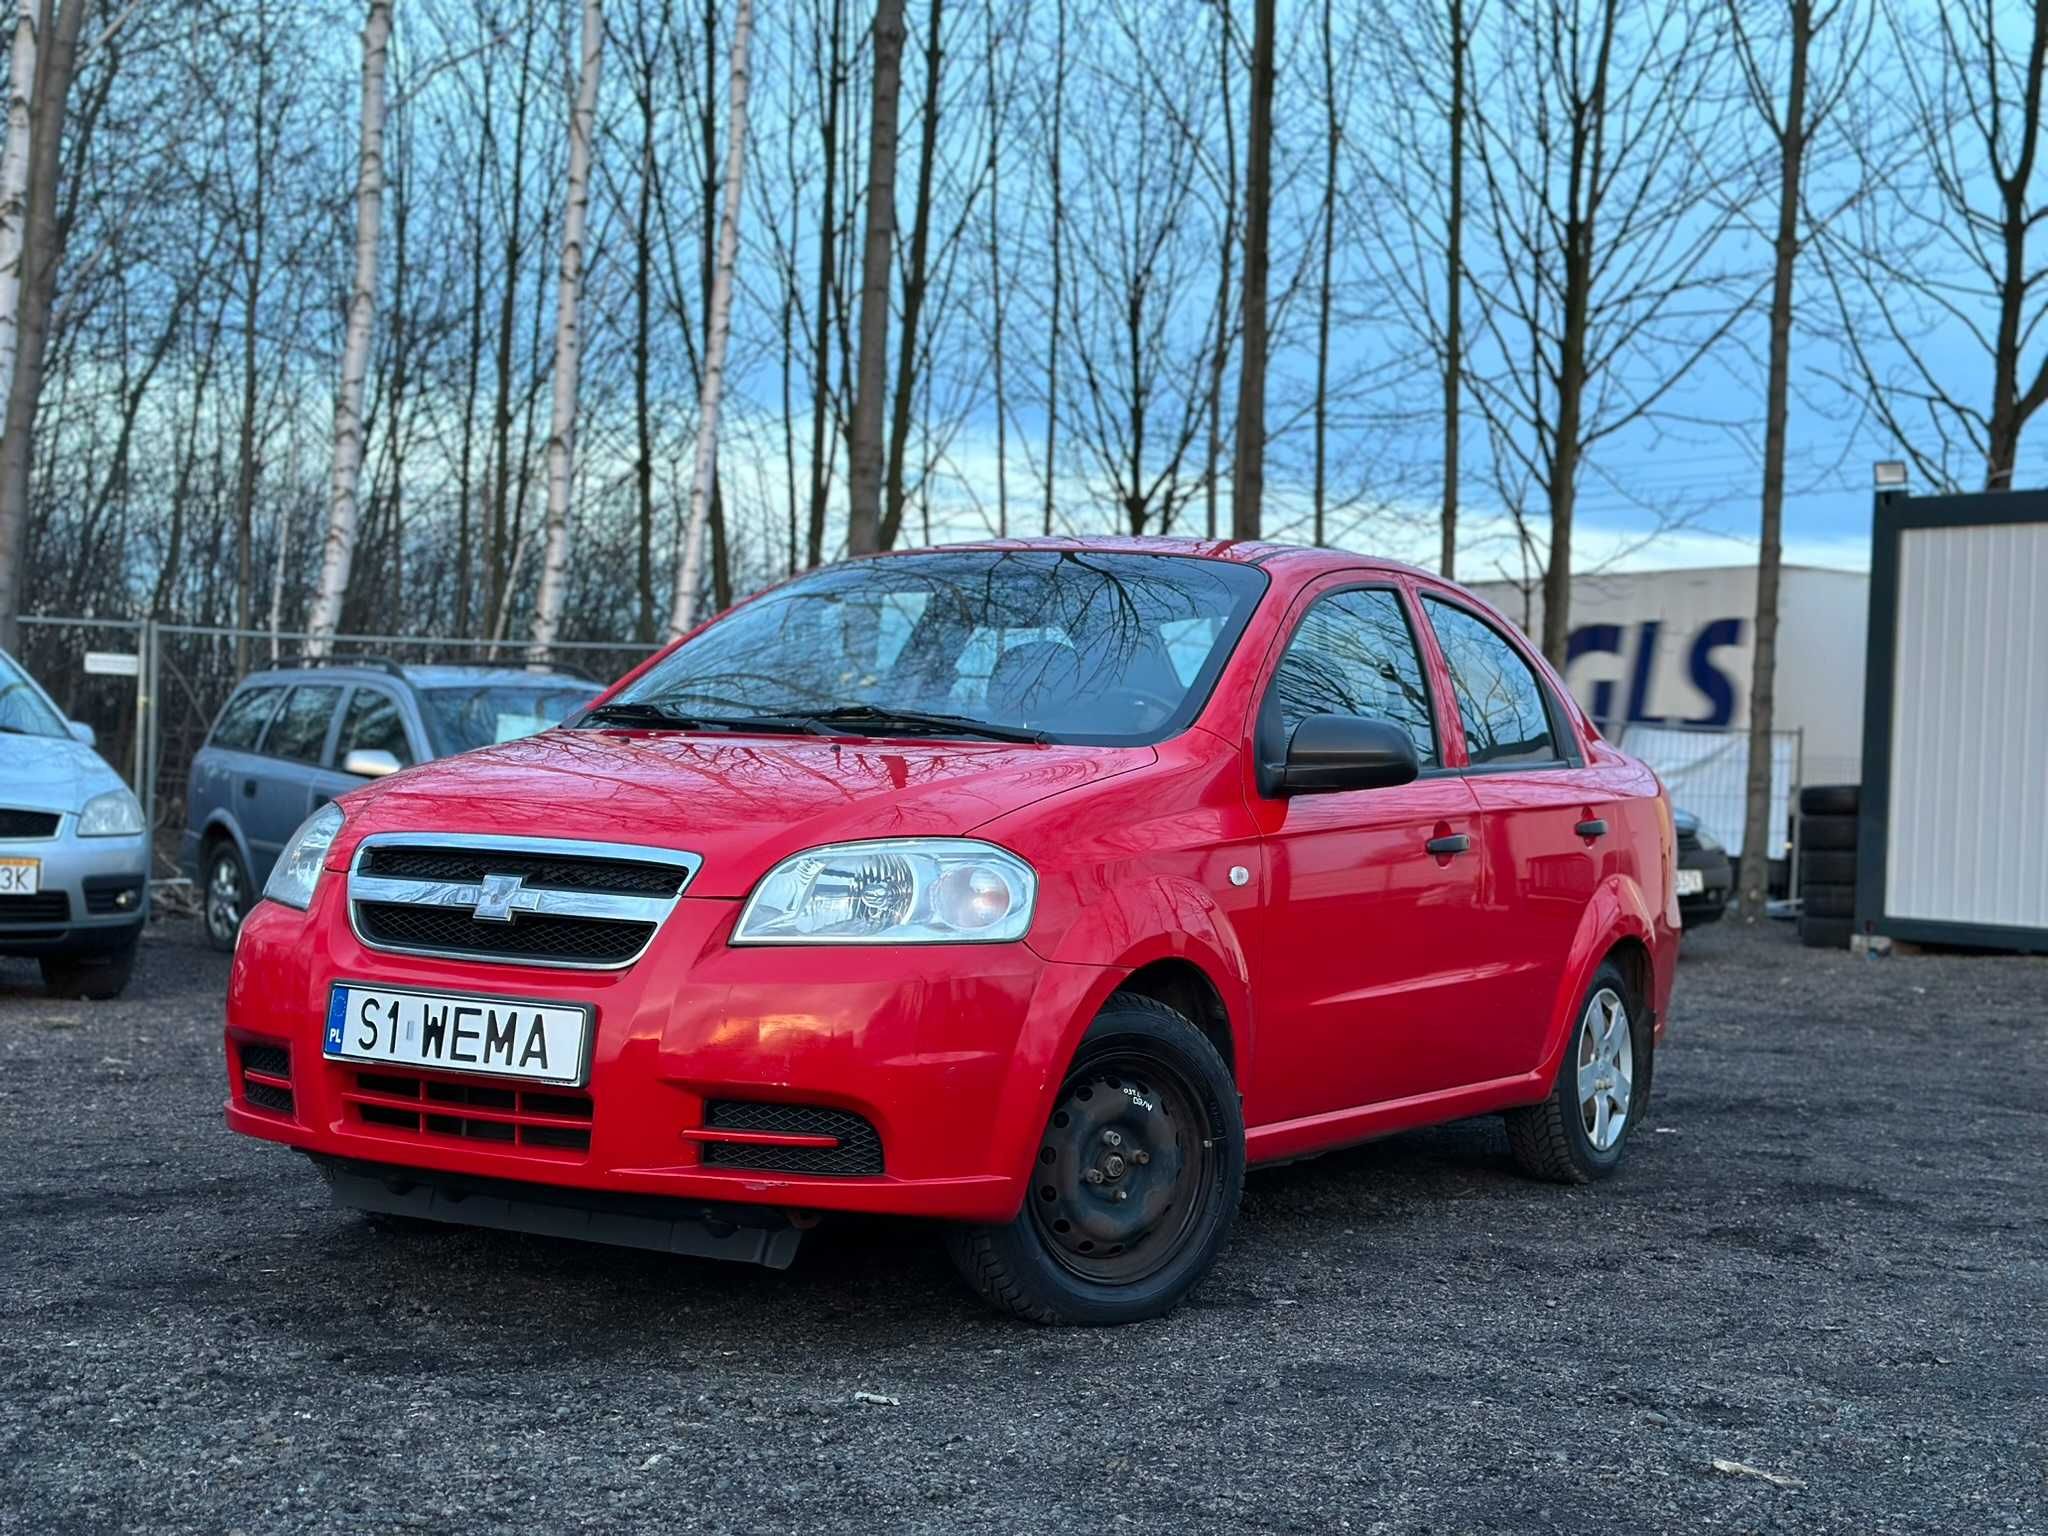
(554, 566)
(915, 282)
(1756, 822)
(41, 254)
(338, 552)
(21, 92)
(1248, 473)
(1219, 360)
(995, 279)
(828, 220)
(717, 332)
(864, 511)
(1058, 242)
(1332, 125)
(643, 355)
(2009, 410)
(1454, 291)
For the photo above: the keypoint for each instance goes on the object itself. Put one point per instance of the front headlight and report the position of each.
(922, 890)
(117, 813)
(297, 870)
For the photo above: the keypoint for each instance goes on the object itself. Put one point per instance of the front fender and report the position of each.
(1163, 917)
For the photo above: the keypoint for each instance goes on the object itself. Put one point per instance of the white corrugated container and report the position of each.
(1966, 823)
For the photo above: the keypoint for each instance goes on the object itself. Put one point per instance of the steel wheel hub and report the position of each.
(1607, 1064)
(1121, 1170)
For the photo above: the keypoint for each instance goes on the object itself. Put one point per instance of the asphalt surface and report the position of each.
(1827, 1261)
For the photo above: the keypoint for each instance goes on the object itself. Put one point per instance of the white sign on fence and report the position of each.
(113, 663)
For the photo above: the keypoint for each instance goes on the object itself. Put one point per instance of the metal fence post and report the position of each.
(148, 733)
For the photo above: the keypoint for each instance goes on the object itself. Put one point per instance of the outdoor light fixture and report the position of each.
(1888, 474)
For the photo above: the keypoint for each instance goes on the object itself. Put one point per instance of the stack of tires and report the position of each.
(1827, 865)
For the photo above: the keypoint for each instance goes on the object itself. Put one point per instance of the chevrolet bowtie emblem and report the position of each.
(494, 898)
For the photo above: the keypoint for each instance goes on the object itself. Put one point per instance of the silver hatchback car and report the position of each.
(74, 854)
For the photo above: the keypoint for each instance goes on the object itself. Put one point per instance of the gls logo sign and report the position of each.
(1712, 680)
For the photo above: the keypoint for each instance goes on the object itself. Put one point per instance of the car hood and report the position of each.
(743, 803)
(51, 773)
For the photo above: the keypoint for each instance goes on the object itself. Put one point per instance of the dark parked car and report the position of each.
(294, 736)
(1706, 879)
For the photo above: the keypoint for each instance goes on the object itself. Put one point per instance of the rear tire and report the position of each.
(1580, 1132)
(225, 896)
(99, 976)
(1135, 1185)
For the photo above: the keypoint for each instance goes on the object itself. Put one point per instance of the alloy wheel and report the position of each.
(224, 899)
(1606, 1062)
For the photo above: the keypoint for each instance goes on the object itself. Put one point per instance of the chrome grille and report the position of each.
(514, 900)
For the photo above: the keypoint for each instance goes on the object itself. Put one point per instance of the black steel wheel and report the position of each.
(1135, 1183)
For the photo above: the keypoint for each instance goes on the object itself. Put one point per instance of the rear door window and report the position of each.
(374, 723)
(299, 734)
(1353, 654)
(1503, 706)
(242, 722)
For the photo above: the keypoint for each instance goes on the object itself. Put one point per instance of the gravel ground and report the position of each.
(1826, 1261)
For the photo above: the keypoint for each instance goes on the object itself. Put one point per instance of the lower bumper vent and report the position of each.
(266, 1072)
(835, 1141)
(534, 1120)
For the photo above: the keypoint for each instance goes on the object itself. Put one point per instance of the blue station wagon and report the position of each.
(293, 737)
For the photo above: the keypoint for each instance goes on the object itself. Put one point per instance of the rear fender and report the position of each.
(1618, 911)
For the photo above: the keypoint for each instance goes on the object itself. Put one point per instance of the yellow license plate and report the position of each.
(20, 877)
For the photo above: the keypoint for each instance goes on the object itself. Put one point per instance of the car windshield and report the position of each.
(483, 714)
(22, 710)
(1074, 645)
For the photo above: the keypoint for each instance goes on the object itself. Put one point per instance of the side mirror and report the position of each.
(370, 763)
(1337, 752)
(80, 731)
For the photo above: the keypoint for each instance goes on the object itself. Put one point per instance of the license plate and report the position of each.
(456, 1032)
(20, 877)
(1692, 882)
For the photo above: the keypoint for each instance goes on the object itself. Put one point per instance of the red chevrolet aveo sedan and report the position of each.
(1036, 887)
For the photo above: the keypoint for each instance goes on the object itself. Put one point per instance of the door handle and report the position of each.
(249, 788)
(1444, 847)
(1593, 828)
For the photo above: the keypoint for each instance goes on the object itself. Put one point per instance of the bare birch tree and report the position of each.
(41, 252)
(337, 554)
(21, 89)
(1792, 111)
(554, 568)
(1953, 243)
(1600, 153)
(717, 334)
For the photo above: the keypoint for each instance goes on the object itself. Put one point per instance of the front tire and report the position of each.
(100, 976)
(1135, 1185)
(1580, 1132)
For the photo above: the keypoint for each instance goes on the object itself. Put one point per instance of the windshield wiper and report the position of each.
(921, 720)
(661, 717)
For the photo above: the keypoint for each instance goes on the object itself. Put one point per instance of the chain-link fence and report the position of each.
(1707, 773)
(150, 691)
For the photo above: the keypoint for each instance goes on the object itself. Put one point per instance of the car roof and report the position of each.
(1306, 559)
(424, 676)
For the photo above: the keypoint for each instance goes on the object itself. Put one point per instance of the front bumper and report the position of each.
(951, 1052)
(93, 895)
